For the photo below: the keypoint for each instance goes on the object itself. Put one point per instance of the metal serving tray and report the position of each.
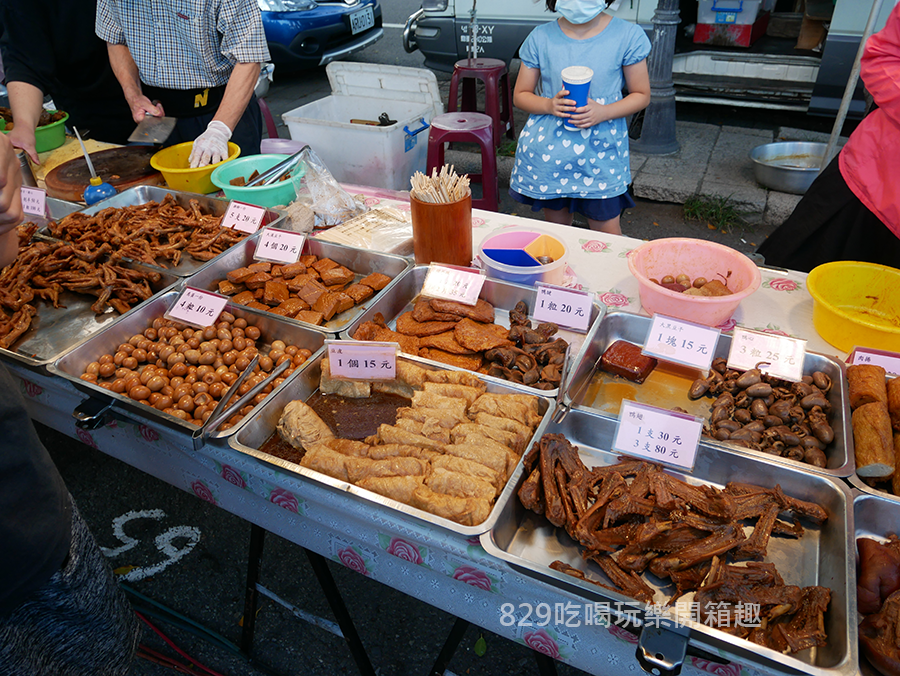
(823, 556)
(146, 193)
(670, 390)
(72, 364)
(361, 261)
(256, 429)
(55, 330)
(502, 295)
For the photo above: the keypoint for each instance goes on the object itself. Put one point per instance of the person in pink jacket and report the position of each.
(852, 209)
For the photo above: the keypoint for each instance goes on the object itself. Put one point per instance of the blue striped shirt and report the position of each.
(185, 44)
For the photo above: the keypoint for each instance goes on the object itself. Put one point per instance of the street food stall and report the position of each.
(529, 558)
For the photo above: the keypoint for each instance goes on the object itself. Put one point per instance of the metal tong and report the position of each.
(223, 411)
(275, 173)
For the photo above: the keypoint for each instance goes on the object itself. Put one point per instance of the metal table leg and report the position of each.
(450, 646)
(251, 595)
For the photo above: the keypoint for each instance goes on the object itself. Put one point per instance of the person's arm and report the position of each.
(26, 102)
(212, 145)
(880, 66)
(126, 72)
(525, 98)
(10, 202)
(637, 80)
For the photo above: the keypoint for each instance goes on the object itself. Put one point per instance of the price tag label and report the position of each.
(779, 356)
(34, 201)
(243, 217)
(659, 435)
(565, 307)
(681, 342)
(462, 285)
(279, 246)
(889, 361)
(197, 307)
(358, 360)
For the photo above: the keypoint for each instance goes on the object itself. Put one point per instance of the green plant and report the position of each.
(507, 149)
(719, 213)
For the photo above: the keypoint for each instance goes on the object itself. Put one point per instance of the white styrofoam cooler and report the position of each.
(732, 11)
(384, 157)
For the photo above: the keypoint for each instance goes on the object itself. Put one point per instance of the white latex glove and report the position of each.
(211, 146)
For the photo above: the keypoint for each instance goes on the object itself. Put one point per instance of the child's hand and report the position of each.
(560, 105)
(589, 115)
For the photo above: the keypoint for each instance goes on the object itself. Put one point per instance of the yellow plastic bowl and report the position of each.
(695, 258)
(856, 304)
(173, 164)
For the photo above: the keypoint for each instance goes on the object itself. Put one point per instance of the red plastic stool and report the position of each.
(495, 76)
(468, 128)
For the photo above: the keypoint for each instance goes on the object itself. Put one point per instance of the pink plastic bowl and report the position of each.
(694, 258)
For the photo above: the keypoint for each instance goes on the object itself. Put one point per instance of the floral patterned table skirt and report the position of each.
(444, 569)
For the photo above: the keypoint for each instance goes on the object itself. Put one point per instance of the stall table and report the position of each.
(441, 568)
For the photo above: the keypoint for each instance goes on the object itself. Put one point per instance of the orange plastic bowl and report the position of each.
(694, 258)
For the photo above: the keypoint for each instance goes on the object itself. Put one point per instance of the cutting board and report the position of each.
(123, 168)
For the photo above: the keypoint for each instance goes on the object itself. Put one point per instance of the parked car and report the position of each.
(310, 33)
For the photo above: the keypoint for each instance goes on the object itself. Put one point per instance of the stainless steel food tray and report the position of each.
(634, 329)
(72, 364)
(823, 556)
(56, 330)
(256, 429)
(146, 193)
(361, 261)
(502, 295)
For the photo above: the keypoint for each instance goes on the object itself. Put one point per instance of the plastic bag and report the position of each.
(318, 190)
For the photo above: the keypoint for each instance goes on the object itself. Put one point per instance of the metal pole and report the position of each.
(851, 85)
(658, 129)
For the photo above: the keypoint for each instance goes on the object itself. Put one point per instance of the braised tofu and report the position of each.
(243, 298)
(292, 270)
(308, 259)
(239, 275)
(275, 293)
(311, 316)
(257, 280)
(298, 282)
(229, 288)
(256, 305)
(312, 292)
(359, 292)
(337, 275)
(260, 266)
(323, 264)
(376, 281)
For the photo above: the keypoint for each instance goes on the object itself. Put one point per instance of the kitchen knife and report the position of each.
(153, 130)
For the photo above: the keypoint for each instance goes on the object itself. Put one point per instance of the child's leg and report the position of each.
(611, 226)
(560, 216)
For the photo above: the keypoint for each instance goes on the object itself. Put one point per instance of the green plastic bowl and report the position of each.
(50, 136)
(277, 194)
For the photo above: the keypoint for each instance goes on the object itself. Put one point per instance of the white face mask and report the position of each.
(579, 11)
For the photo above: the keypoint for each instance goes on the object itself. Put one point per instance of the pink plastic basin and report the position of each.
(694, 258)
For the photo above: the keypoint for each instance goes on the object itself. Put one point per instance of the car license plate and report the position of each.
(362, 20)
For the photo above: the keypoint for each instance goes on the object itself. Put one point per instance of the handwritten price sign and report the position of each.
(564, 307)
(34, 201)
(243, 217)
(682, 342)
(197, 307)
(279, 246)
(779, 356)
(659, 435)
(355, 360)
(459, 284)
(889, 361)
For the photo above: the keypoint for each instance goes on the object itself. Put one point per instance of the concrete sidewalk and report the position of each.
(713, 162)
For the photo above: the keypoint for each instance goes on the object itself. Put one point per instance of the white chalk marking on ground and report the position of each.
(163, 543)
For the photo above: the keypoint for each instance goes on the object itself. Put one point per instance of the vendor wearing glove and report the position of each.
(194, 60)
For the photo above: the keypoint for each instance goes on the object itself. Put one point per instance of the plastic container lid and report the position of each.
(533, 242)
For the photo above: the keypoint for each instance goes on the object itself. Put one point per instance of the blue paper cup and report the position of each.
(577, 80)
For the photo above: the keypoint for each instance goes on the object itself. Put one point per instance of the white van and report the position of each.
(770, 73)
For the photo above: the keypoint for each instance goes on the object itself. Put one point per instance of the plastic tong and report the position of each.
(275, 173)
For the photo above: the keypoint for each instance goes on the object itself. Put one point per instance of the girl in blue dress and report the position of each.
(586, 171)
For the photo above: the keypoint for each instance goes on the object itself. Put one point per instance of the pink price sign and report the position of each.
(462, 285)
(779, 356)
(358, 360)
(565, 307)
(658, 435)
(197, 307)
(243, 217)
(682, 342)
(34, 201)
(889, 361)
(279, 246)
